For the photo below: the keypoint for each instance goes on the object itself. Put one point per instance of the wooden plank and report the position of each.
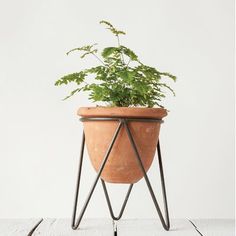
(103, 227)
(153, 227)
(215, 227)
(62, 227)
(17, 227)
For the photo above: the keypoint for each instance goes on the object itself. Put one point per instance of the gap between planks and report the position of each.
(214, 227)
(18, 227)
(196, 228)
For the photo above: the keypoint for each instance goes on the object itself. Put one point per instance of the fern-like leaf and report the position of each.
(168, 75)
(112, 28)
(78, 78)
(128, 52)
(108, 51)
(87, 48)
(166, 86)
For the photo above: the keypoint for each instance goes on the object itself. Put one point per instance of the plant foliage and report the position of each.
(121, 79)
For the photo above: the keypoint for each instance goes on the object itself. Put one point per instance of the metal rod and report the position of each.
(78, 181)
(109, 201)
(166, 226)
(75, 226)
(120, 118)
(163, 184)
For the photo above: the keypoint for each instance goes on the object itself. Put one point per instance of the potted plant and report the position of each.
(130, 89)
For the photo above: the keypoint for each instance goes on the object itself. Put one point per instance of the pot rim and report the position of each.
(131, 112)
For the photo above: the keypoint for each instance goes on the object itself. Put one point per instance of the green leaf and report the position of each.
(112, 28)
(87, 49)
(166, 86)
(127, 76)
(108, 51)
(168, 75)
(75, 77)
(129, 53)
(88, 53)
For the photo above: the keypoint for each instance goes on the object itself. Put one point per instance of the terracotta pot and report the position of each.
(122, 165)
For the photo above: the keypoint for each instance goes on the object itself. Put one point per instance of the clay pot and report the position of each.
(122, 165)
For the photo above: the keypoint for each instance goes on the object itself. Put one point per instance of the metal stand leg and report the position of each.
(166, 225)
(163, 186)
(75, 224)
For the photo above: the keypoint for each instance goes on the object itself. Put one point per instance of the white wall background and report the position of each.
(40, 134)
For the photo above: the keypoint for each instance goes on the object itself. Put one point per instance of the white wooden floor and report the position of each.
(106, 227)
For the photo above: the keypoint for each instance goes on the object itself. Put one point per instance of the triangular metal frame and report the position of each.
(121, 122)
(109, 201)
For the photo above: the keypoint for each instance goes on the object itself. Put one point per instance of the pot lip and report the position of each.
(133, 112)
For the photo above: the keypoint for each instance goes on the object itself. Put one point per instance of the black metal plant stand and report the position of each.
(122, 122)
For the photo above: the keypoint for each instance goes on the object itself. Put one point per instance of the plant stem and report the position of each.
(98, 59)
(121, 55)
(128, 63)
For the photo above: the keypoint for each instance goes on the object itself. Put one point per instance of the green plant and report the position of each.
(120, 79)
